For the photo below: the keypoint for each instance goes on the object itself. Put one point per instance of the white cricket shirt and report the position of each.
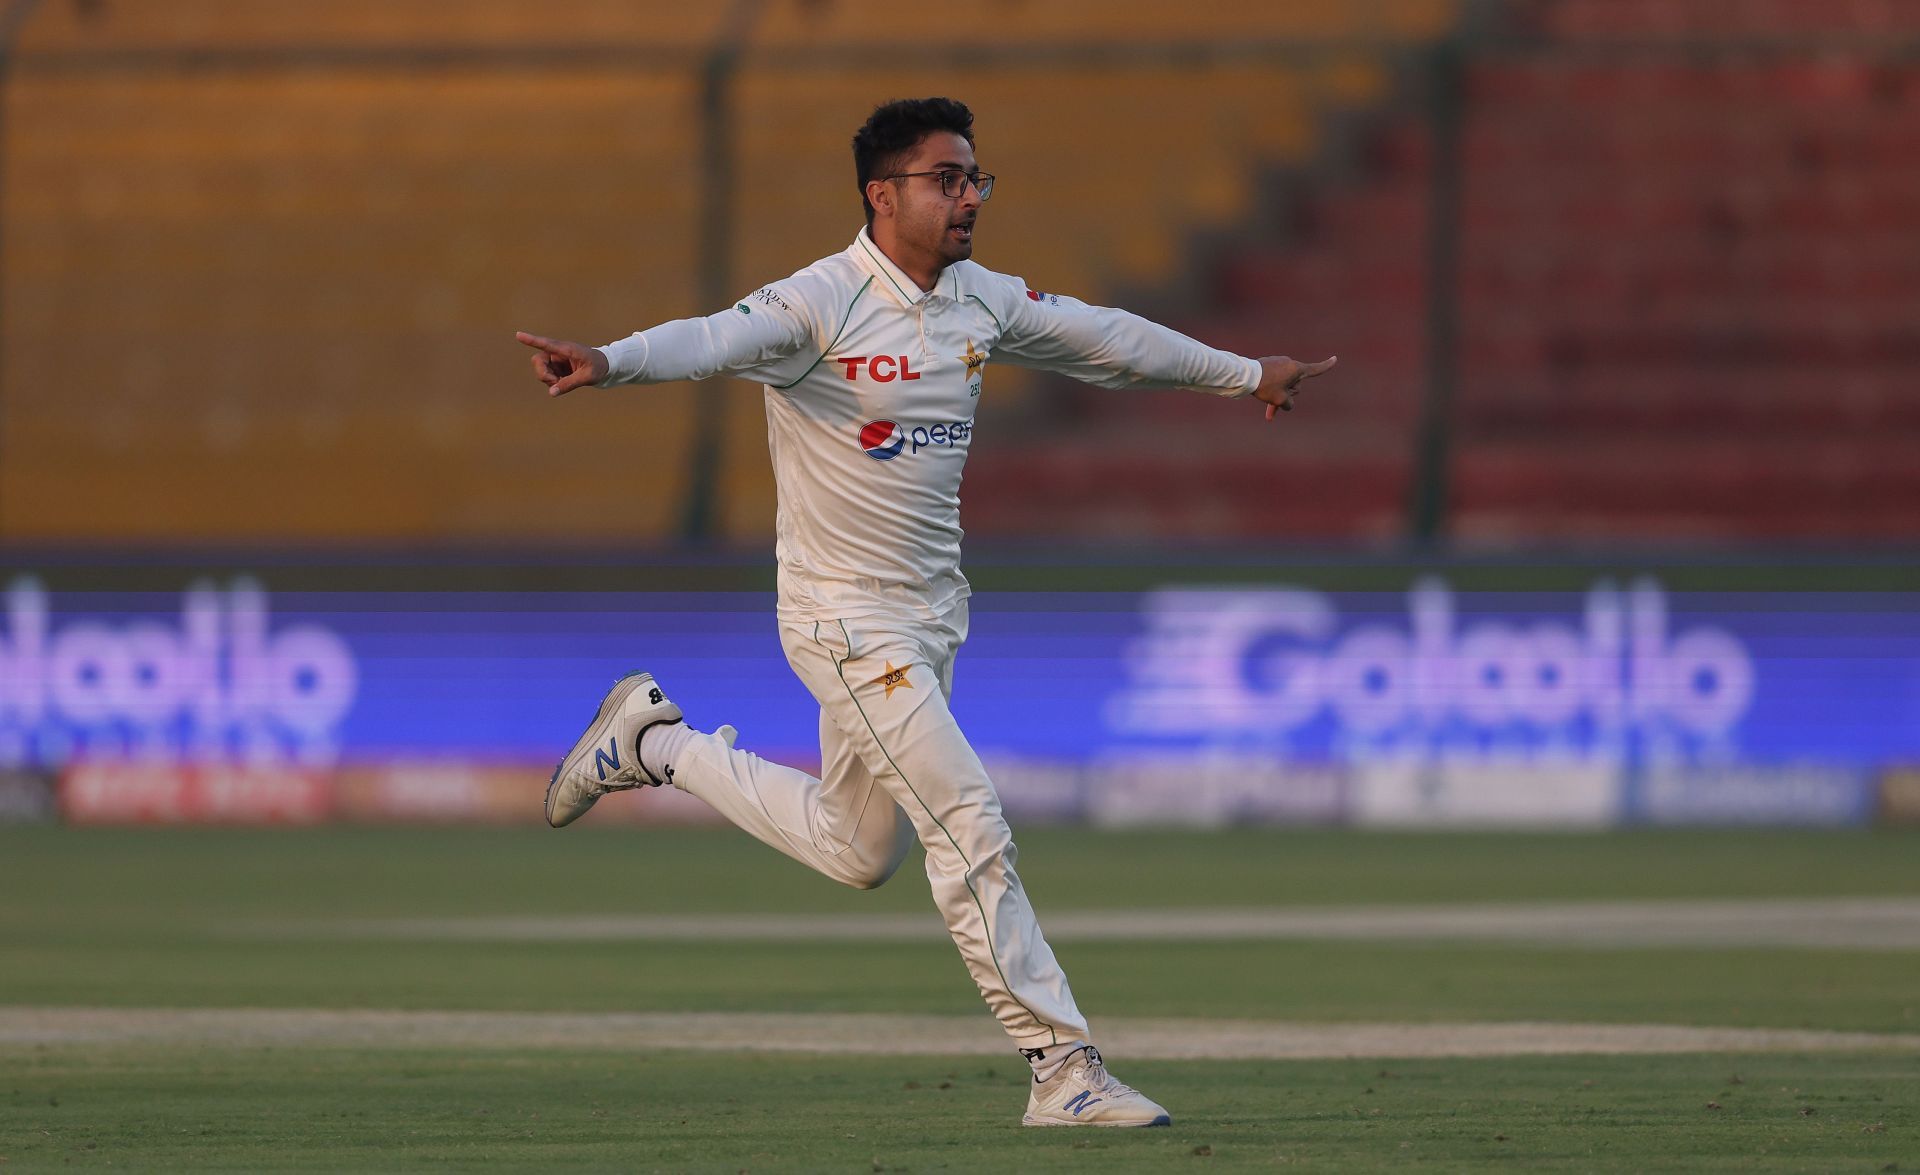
(871, 388)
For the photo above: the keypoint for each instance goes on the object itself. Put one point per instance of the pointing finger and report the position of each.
(539, 342)
(1320, 368)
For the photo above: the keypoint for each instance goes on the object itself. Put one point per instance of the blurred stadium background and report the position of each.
(1608, 516)
(1609, 521)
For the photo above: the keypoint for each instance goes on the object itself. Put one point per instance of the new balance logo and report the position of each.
(607, 760)
(655, 696)
(1082, 1100)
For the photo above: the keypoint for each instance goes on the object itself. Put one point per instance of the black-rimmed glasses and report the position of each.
(953, 181)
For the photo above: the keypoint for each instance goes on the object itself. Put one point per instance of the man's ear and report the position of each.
(880, 194)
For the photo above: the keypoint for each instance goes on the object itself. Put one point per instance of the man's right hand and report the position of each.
(564, 366)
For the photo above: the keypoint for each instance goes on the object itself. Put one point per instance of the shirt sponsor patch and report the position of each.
(880, 368)
(766, 296)
(883, 440)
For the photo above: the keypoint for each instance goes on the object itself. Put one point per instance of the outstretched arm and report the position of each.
(1115, 349)
(736, 340)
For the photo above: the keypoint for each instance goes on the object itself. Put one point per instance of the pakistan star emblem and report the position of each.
(975, 360)
(893, 678)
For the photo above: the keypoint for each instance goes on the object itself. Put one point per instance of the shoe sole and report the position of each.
(616, 697)
(1162, 1120)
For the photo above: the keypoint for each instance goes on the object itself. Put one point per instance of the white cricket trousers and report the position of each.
(894, 764)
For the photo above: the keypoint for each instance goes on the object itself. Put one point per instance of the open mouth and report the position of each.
(963, 230)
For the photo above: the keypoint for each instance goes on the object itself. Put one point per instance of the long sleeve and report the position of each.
(762, 329)
(1112, 348)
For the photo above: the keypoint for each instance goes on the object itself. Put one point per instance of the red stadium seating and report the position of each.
(1688, 284)
(1689, 268)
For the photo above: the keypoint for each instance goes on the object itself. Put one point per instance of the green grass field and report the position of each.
(212, 919)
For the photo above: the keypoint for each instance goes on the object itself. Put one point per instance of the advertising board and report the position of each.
(1197, 705)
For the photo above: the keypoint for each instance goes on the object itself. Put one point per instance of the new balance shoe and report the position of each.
(1083, 1093)
(607, 757)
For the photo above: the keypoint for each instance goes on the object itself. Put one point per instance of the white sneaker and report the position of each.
(1083, 1093)
(607, 757)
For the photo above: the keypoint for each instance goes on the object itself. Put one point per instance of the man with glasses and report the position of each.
(872, 362)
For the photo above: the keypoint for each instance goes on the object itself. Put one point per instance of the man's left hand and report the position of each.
(1280, 380)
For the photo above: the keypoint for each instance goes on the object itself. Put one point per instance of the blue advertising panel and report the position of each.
(1622, 703)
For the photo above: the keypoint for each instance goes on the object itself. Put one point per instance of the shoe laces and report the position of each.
(1098, 1079)
(625, 779)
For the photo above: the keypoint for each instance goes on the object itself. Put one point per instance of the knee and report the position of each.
(871, 871)
(870, 878)
(988, 841)
(869, 874)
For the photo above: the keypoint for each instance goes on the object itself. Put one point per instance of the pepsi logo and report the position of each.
(882, 439)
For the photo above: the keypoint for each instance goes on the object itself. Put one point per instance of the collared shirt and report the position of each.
(871, 386)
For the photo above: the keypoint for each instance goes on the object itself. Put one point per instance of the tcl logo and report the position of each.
(883, 368)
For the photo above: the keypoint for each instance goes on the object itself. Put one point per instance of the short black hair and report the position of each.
(896, 128)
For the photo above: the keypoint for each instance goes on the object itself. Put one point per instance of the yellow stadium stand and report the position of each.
(263, 260)
(297, 295)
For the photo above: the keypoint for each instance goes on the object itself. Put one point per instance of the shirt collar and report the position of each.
(880, 265)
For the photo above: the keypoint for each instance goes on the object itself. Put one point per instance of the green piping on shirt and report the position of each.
(910, 299)
(989, 310)
(836, 335)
